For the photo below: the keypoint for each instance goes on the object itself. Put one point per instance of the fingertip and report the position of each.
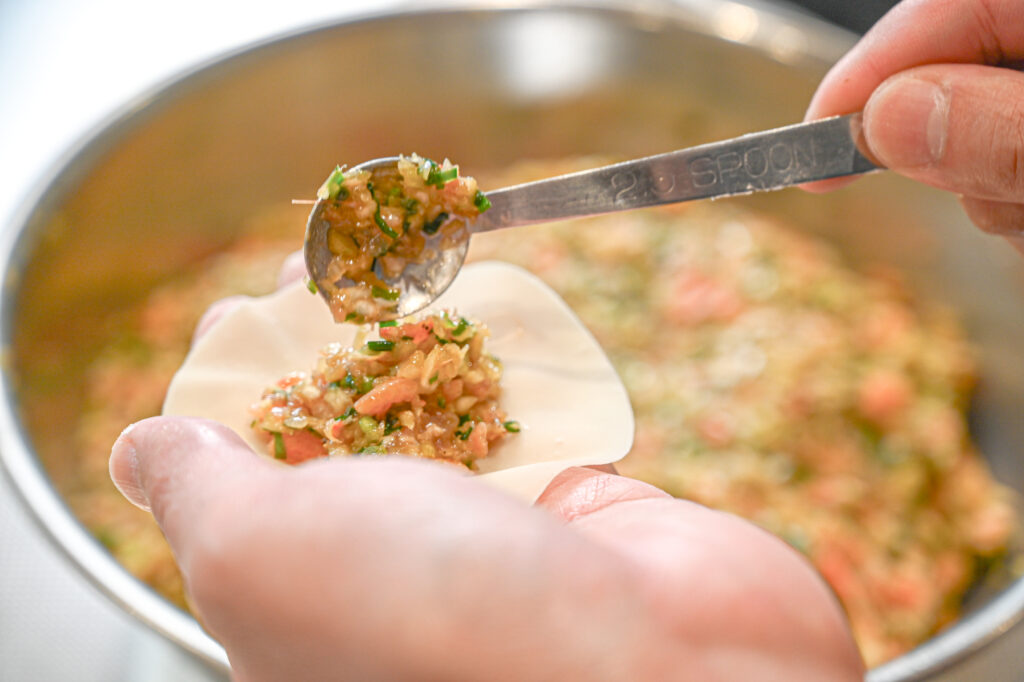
(906, 121)
(832, 184)
(845, 88)
(124, 466)
(1005, 219)
(824, 186)
(579, 491)
(292, 270)
(565, 481)
(827, 100)
(215, 312)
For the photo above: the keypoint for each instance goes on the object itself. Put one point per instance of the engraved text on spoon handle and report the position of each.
(756, 162)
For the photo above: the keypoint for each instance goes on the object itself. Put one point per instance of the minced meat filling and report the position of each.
(424, 388)
(383, 220)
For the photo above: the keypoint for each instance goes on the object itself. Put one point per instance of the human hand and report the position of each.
(402, 569)
(396, 568)
(942, 102)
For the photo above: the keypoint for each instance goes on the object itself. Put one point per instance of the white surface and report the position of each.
(65, 64)
(54, 626)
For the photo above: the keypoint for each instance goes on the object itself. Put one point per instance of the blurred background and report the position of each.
(857, 15)
(64, 66)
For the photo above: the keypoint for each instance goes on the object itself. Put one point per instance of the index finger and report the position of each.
(919, 32)
(292, 270)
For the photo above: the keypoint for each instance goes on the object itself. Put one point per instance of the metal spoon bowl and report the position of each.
(418, 284)
(757, 162)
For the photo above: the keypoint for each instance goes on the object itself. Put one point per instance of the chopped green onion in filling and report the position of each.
(332, 187)
(386, 294)
(370, 427)
(384, 227)
(461, 327)
(363, 385)
(432, 226)
(438, 178)
(279, 451)
(481, 201)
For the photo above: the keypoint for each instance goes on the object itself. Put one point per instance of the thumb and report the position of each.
(958, 127)
(177, 466)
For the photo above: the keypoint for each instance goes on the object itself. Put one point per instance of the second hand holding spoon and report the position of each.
(756, 162)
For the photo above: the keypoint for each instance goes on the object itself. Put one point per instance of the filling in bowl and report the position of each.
(768, 379)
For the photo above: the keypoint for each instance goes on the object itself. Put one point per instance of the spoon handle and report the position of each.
(756, 162)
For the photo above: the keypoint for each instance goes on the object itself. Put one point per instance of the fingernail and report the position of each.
(124, 470)
(905, 122)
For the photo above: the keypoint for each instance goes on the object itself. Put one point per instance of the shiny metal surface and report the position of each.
(177, 174)
(419, 283)
(756, 162)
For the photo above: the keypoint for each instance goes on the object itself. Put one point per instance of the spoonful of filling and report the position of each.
(387, 237)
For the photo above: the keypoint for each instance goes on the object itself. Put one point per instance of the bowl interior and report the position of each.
(176, 179)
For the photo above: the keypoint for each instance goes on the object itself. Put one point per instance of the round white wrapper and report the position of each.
(558, 384)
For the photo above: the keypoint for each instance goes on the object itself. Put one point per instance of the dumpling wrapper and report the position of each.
(558, 384)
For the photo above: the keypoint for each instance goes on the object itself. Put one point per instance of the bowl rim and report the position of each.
(69, 537)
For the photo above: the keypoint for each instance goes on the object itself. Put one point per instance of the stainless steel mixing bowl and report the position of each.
(176, 177)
